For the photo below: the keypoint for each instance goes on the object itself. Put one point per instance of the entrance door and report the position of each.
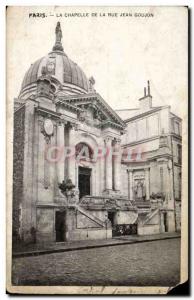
(84, 181)
(165, 222)
(111, 217)
(60, 226)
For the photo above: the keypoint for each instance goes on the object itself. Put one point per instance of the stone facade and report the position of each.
(83, 172)
(18, 169)
(153, 140)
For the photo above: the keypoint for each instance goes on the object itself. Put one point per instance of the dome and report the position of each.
(59, 66)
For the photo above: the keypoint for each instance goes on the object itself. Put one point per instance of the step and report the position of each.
(90, 216)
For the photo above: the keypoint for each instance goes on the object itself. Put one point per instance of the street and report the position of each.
(141, 264)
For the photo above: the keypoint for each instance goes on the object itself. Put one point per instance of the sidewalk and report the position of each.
(32, 250)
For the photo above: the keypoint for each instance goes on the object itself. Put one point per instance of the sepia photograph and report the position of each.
(97, 149)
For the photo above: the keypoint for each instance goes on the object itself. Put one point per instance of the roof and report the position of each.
(64, 69)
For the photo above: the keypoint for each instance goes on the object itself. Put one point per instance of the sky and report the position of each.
(120, 52)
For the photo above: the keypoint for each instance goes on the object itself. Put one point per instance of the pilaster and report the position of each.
(130, 183)
(60, 154)
(108, 164)
(117, 165)
(71, 159)
(147, 182)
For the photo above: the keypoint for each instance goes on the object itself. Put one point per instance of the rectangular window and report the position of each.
(177, 128)
(172, 125)
(179, 153)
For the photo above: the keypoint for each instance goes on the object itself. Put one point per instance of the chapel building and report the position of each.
(82, 170)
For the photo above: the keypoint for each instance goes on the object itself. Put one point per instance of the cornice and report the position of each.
(68, 106)
(47, 112)
(141, 141)
(146, 113)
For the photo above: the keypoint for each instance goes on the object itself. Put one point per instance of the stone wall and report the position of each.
(155, 184)
(84, 222)
(178, 215)
(92, 234)
(124, 181)
(148, 229)
(177, 182)
(18, 166)
(126, 217)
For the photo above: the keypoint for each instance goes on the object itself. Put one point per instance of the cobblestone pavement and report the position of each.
(44, 248)
(150, 263)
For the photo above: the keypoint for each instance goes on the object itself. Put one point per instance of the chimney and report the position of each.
(144, 91)
(145, 103)
(148, 88)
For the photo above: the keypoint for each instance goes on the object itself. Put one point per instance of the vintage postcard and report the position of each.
(97, 149)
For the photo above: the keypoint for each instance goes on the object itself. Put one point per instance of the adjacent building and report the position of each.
(153, 138)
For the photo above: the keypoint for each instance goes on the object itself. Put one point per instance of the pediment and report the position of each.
(93, 110)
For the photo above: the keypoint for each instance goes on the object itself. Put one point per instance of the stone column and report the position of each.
(147, 182)
(171, 204)
(60, 154)
(166, 181)
(130, 181)
(102, 173)
(171, 189)
(168, 190)
(93, 181)
(76, 174)
(71, 160)
(108, 163)
(117, 165)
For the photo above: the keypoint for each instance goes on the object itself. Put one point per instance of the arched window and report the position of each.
(83, 152)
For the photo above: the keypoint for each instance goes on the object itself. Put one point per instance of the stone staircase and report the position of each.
(142, 204)
(150, 215)
(143, 207)
(89, 215)
(146, 211)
